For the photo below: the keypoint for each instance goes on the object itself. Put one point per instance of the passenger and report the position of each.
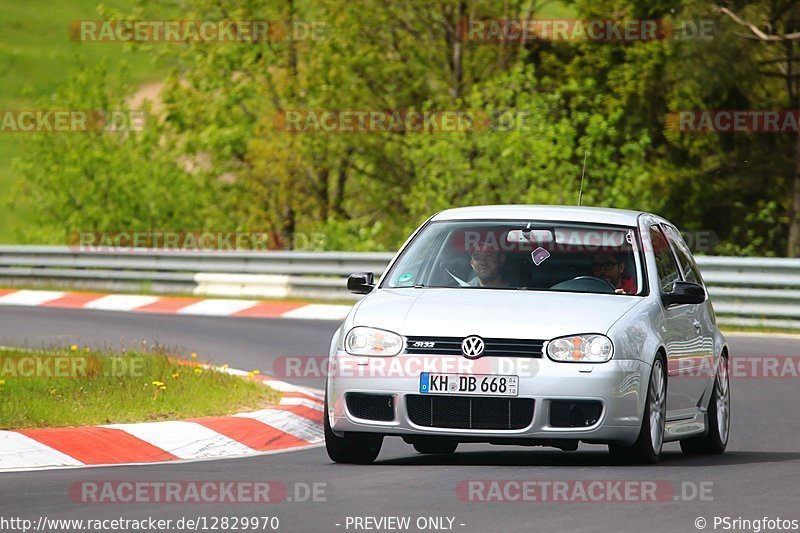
(611, 267)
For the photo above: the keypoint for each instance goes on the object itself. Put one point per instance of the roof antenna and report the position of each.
(583, 174)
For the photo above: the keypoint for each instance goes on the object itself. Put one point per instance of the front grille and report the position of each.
(494, 347)
(469, 412)
(371, 406)
(575, 414)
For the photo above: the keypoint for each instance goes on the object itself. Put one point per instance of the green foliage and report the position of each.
(102, 180)
(75, 387)
(214, 156)
(759, 231)
(36, 59)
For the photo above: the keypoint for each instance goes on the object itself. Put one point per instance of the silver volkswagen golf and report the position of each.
(531, 325)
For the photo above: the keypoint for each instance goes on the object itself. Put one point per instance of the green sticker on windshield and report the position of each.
(405, 278)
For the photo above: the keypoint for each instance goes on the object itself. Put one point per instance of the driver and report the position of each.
(487, 263)
(611, 267)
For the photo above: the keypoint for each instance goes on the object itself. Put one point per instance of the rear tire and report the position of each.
(436, 447)
(715, 440)
(352, 448)
(647, 448)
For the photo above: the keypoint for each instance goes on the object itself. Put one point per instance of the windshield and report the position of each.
(521, 255)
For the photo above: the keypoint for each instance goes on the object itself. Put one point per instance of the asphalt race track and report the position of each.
(758, 477)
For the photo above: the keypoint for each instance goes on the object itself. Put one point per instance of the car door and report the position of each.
(681, 337)
(702, 314)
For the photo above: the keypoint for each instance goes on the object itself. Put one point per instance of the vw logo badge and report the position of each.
(472, 347)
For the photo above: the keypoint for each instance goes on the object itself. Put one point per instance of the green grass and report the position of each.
(758, 329)
(36, 57)
(106, 388)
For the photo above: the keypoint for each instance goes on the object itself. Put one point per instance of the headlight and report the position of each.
(371, 341)
(580, 349)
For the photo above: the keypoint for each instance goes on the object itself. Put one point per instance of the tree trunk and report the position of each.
(323, 192)
(793, 247)
(288, 226)
(453, 38)
(292, 48)
(339, 184)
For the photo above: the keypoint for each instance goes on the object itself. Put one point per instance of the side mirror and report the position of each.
(361, 282)
(684, 292)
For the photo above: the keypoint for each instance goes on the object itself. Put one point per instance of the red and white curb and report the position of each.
(295, 423)
(138, 303)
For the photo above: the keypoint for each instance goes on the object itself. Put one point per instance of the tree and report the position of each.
(218, 143)
(103, 180)
(781, 22)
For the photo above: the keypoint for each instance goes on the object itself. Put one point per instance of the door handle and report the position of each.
(696, 325)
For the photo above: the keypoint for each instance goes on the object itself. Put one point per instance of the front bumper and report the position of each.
(620, 385)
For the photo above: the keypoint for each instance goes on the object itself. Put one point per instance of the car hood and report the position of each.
(491, 313)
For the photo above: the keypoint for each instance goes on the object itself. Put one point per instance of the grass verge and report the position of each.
(75, 387)
(759, 329)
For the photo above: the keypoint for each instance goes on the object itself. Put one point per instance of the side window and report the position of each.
(666, 266)
(689, 267)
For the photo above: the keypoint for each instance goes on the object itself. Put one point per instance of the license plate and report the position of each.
(469, 384)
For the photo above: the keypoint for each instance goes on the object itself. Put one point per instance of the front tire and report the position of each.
(647, 448)
(715, 440)
(352, 448)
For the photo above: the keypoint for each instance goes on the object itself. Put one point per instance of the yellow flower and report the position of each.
(74, 347)
(175, 375)
(256, 371)
(158, 383)
(198, 370)
(162, 387)
(194, 355)
(250, 374)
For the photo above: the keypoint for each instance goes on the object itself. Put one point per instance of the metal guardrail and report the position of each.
(746, 291)
(751, 291)
(314, 275)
